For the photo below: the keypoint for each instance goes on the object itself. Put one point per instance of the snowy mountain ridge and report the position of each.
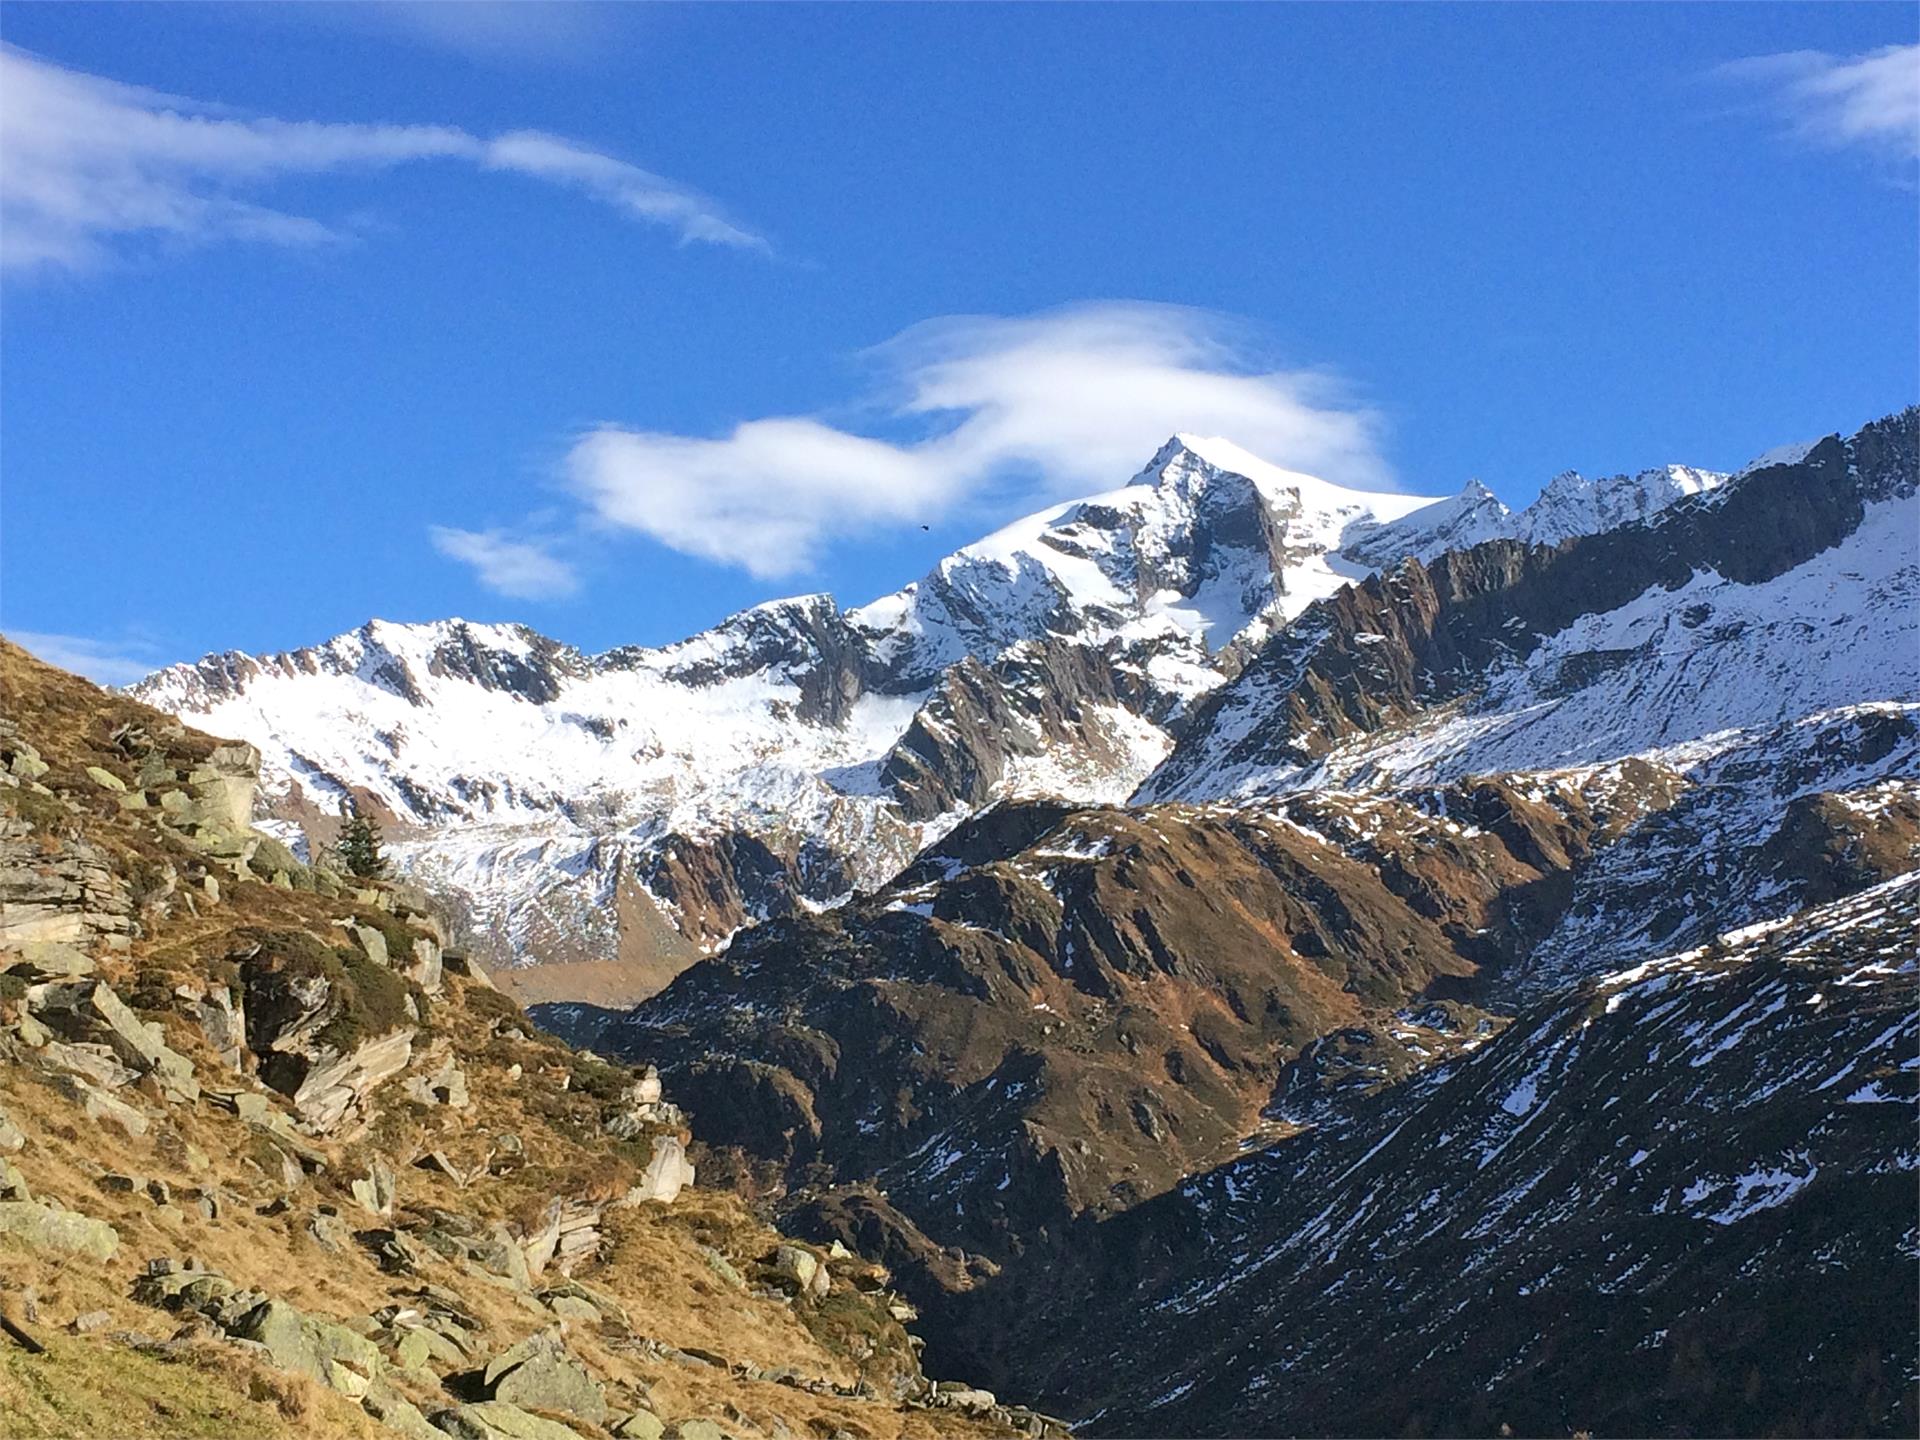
(797, 752)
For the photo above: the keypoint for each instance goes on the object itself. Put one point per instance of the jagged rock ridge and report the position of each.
(648, 803)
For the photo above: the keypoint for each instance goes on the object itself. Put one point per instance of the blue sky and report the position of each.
(616, 319)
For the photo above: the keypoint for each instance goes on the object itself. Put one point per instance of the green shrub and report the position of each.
(368, 1000)
(594, 1076)
(492, 1005)
(372, 1002)
(395, 931)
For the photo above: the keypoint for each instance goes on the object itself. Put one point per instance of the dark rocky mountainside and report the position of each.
(1006, 1037)
(1110, 1061)
(1678, 1200)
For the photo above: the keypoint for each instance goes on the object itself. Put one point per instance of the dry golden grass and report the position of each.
(90, 1387)
(652, 1262)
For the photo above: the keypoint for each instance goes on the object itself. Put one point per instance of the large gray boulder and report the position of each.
(51, 1229)
(397, 1413)
(68, 893)
(426, 969)
(222, 1014)
(13, 1185)
(336, 1085)
(100, 1107)
(446, 1085)
(225, 785)
(89, 1011)
(496, 1420)
(330, 1353)
(539, 1374)
(373, 943)
(53, 960)
(374, 1191)
(280, 865)
(797, 1265)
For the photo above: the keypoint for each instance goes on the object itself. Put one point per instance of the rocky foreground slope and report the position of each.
(274, 1161)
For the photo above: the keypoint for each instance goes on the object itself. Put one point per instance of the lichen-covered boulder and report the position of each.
(50, 1228)
(497, 1420)
(539, 1374)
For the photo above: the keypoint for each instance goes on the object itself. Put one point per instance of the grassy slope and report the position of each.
(655, 1261)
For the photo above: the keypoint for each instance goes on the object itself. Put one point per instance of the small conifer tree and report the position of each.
(359, 844)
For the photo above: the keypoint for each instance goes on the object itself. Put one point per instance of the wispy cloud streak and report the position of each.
(1869, 101)
(89, 164)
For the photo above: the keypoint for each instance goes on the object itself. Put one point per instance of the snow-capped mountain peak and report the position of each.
(1573, 505)
(1275, 481)
(795, 749)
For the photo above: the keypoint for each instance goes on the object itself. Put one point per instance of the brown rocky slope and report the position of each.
(274, 1162)
(1060, 1012)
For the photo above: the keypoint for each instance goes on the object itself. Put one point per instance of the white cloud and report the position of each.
(99, 661)
(499, 30)
(90, 163)
(1869, 101)
(524, 569)
(1016, 410)
(643, 195)
(765, 497)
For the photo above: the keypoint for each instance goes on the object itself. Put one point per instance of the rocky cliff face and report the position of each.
(277, 1161)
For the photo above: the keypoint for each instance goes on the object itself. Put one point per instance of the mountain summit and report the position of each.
(641, 805)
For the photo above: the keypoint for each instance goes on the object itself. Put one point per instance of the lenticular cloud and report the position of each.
(1024, 408)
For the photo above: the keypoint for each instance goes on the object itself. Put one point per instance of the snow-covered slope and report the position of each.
(1571, 505)
(753, 767)
(1677, 675)
(1204, 542)
(1790, 591)
(595, 806)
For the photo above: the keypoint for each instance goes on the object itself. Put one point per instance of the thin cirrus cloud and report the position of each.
(100, 661)
(1008, 411)
(502, 31)
(523, 569)
(93, 165)
(1869, 101)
